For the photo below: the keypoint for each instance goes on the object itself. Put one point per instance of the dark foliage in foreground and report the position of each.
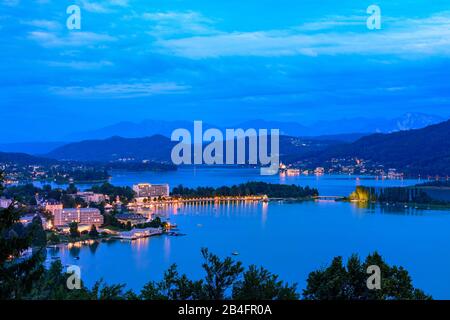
(348, 282)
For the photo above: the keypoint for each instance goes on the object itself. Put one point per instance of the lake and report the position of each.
(341, 185)
(289, 239)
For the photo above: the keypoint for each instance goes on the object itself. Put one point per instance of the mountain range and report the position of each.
(154, 148)
(418, 151)
(144, 128)
(344, 130)
(158, 148)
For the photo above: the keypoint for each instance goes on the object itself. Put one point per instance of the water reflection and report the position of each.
(140, 244)
(93, 246)
(167, 249)
(74, 251)
(228, 209)
(265, 208)
(365, 208)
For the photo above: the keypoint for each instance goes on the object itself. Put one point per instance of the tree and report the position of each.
(260, 284)
(52, 285)
(362, 194)
(17, 272)
(54, 238)
(93, 232)
(339, 282)
(102, 291)
(39, 237)
(73, 230)
(220, 275)
(72, 189)
(172, 287)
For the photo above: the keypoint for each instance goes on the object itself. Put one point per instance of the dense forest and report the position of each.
(125, 194)
(248, 189)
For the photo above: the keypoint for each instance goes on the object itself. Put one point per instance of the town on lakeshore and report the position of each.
(129, 215)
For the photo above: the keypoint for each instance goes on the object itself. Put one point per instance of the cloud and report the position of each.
(333, 22)
(175, 23)
(122, 90)
(72, 39)
(10, 3)
(79, 65)
(402, 37)
(43, 24)
(103, 6)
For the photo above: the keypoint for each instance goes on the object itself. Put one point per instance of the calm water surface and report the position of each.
(341, 185)
(288, 239)
(207, 176)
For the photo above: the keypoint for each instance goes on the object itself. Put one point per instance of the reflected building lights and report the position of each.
(167, 249)
(265, 209)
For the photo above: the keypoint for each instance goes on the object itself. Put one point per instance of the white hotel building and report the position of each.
(83, 216)
(151, 191)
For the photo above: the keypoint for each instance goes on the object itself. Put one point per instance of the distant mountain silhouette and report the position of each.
(293, 129)
(408, 121)
(154, 148)
(420, 151)
(336, 127)
(34, 148)
(423, 151)
(141, 129)
(343, 137)
(24, 159)
(158, 148)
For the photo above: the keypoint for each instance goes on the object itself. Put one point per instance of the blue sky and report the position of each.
(217, 61)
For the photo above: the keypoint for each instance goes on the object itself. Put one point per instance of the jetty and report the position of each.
(139, 233)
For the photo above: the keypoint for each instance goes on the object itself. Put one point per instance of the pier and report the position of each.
(139, 233)
(329, 198)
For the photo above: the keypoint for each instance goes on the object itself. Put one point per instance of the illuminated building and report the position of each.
(151, 191)
(83, 216)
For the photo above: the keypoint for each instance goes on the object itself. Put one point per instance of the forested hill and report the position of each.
(156, 148)
(24, 159)
(421, 151)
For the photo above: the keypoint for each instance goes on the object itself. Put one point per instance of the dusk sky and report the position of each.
(217, 61)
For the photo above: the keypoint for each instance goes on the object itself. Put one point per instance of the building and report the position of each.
(151, 191)
(140, 233)
(52, 206)
(5, 203)
(89, 196)
(83, 216)
(319, 171)
(134, 219)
